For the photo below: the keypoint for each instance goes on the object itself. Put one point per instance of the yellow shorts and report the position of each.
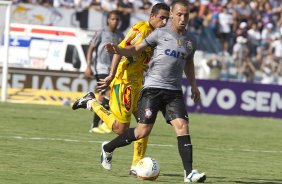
(123, 99)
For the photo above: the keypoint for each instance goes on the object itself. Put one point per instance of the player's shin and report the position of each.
(185, 151)
(96, 120)
(122, 140)
(105, 115)
(140, 147)
(105, 102)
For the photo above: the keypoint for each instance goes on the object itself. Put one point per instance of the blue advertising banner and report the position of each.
(235, 98)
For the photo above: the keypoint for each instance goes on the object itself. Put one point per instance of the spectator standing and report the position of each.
(225, 28)
(216, 64)
(64, 3)
(242, 11)
(268, 33)
(276, 48)
(268, 69)
(242, 30)
(125, 8)
(247, 70)
(254, 38)
(108, 5)
(145, 7)
(240, 48)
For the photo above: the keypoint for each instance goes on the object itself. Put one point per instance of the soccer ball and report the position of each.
(147, 169)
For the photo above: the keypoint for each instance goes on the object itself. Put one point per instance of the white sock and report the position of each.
(88, 105)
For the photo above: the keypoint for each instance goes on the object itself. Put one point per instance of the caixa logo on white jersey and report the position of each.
(175, 54)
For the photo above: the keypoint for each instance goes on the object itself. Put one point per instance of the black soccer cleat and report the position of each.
(82, 102)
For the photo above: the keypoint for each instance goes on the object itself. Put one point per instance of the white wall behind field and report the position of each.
(62, 17)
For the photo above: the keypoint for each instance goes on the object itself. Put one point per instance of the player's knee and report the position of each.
(140, 136)
(119, 128)
(142, 132)
(181, 127)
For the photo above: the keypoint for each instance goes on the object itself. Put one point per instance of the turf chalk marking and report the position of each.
(158, 145)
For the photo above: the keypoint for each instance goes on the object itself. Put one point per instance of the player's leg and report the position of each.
(139, 150)
(118, 119)
(121, 105)
(175, 113)
(105, 104)
(148, 110)
(95, 127)
(89, 102)
(103, 99)
(107, 116)
(129, 135)
(140, 147)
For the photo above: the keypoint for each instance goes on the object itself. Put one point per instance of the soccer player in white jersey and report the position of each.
(102, 62)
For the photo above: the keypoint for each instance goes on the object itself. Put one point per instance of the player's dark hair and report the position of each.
(114, 12)
(182, 2)
(159, 6)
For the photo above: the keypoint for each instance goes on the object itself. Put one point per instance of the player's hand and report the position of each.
(196, 95)
(111, 48)
(88, 72)
(104, 83)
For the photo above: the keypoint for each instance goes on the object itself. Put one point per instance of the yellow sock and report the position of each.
(103, 113)
(140, 147)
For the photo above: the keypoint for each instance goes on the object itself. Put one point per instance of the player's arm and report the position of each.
(133, 50)
(106, 81)
(189, 71)
(114, 66)
(93, 45)
(88, 71)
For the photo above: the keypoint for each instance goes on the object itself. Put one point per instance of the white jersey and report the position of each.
(103, 59)
(170, 54)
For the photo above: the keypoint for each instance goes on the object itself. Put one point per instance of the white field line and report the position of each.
(68, 140)
(154, 145)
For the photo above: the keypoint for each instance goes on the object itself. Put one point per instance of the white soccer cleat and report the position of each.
(106, 158)
(195, 176)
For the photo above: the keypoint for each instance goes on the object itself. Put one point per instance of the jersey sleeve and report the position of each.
(152, 39)
(134, 35)
(194, 47)
(96, 39)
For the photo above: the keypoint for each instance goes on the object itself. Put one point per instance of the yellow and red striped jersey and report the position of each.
(131, 68)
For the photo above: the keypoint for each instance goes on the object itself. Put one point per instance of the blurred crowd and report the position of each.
(249, 33)
(250, 37)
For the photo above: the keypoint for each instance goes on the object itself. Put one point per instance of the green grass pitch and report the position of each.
(51, 145)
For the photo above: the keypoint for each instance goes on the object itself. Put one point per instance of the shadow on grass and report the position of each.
(260, 181)
(171, 175)
(245, 180)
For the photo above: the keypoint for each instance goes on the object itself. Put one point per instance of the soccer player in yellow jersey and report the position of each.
(126, 80)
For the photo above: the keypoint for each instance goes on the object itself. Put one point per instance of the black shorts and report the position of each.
(98, 77)
(169, 102)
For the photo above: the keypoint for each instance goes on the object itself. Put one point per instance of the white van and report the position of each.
(47, 47)
(47, 57)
